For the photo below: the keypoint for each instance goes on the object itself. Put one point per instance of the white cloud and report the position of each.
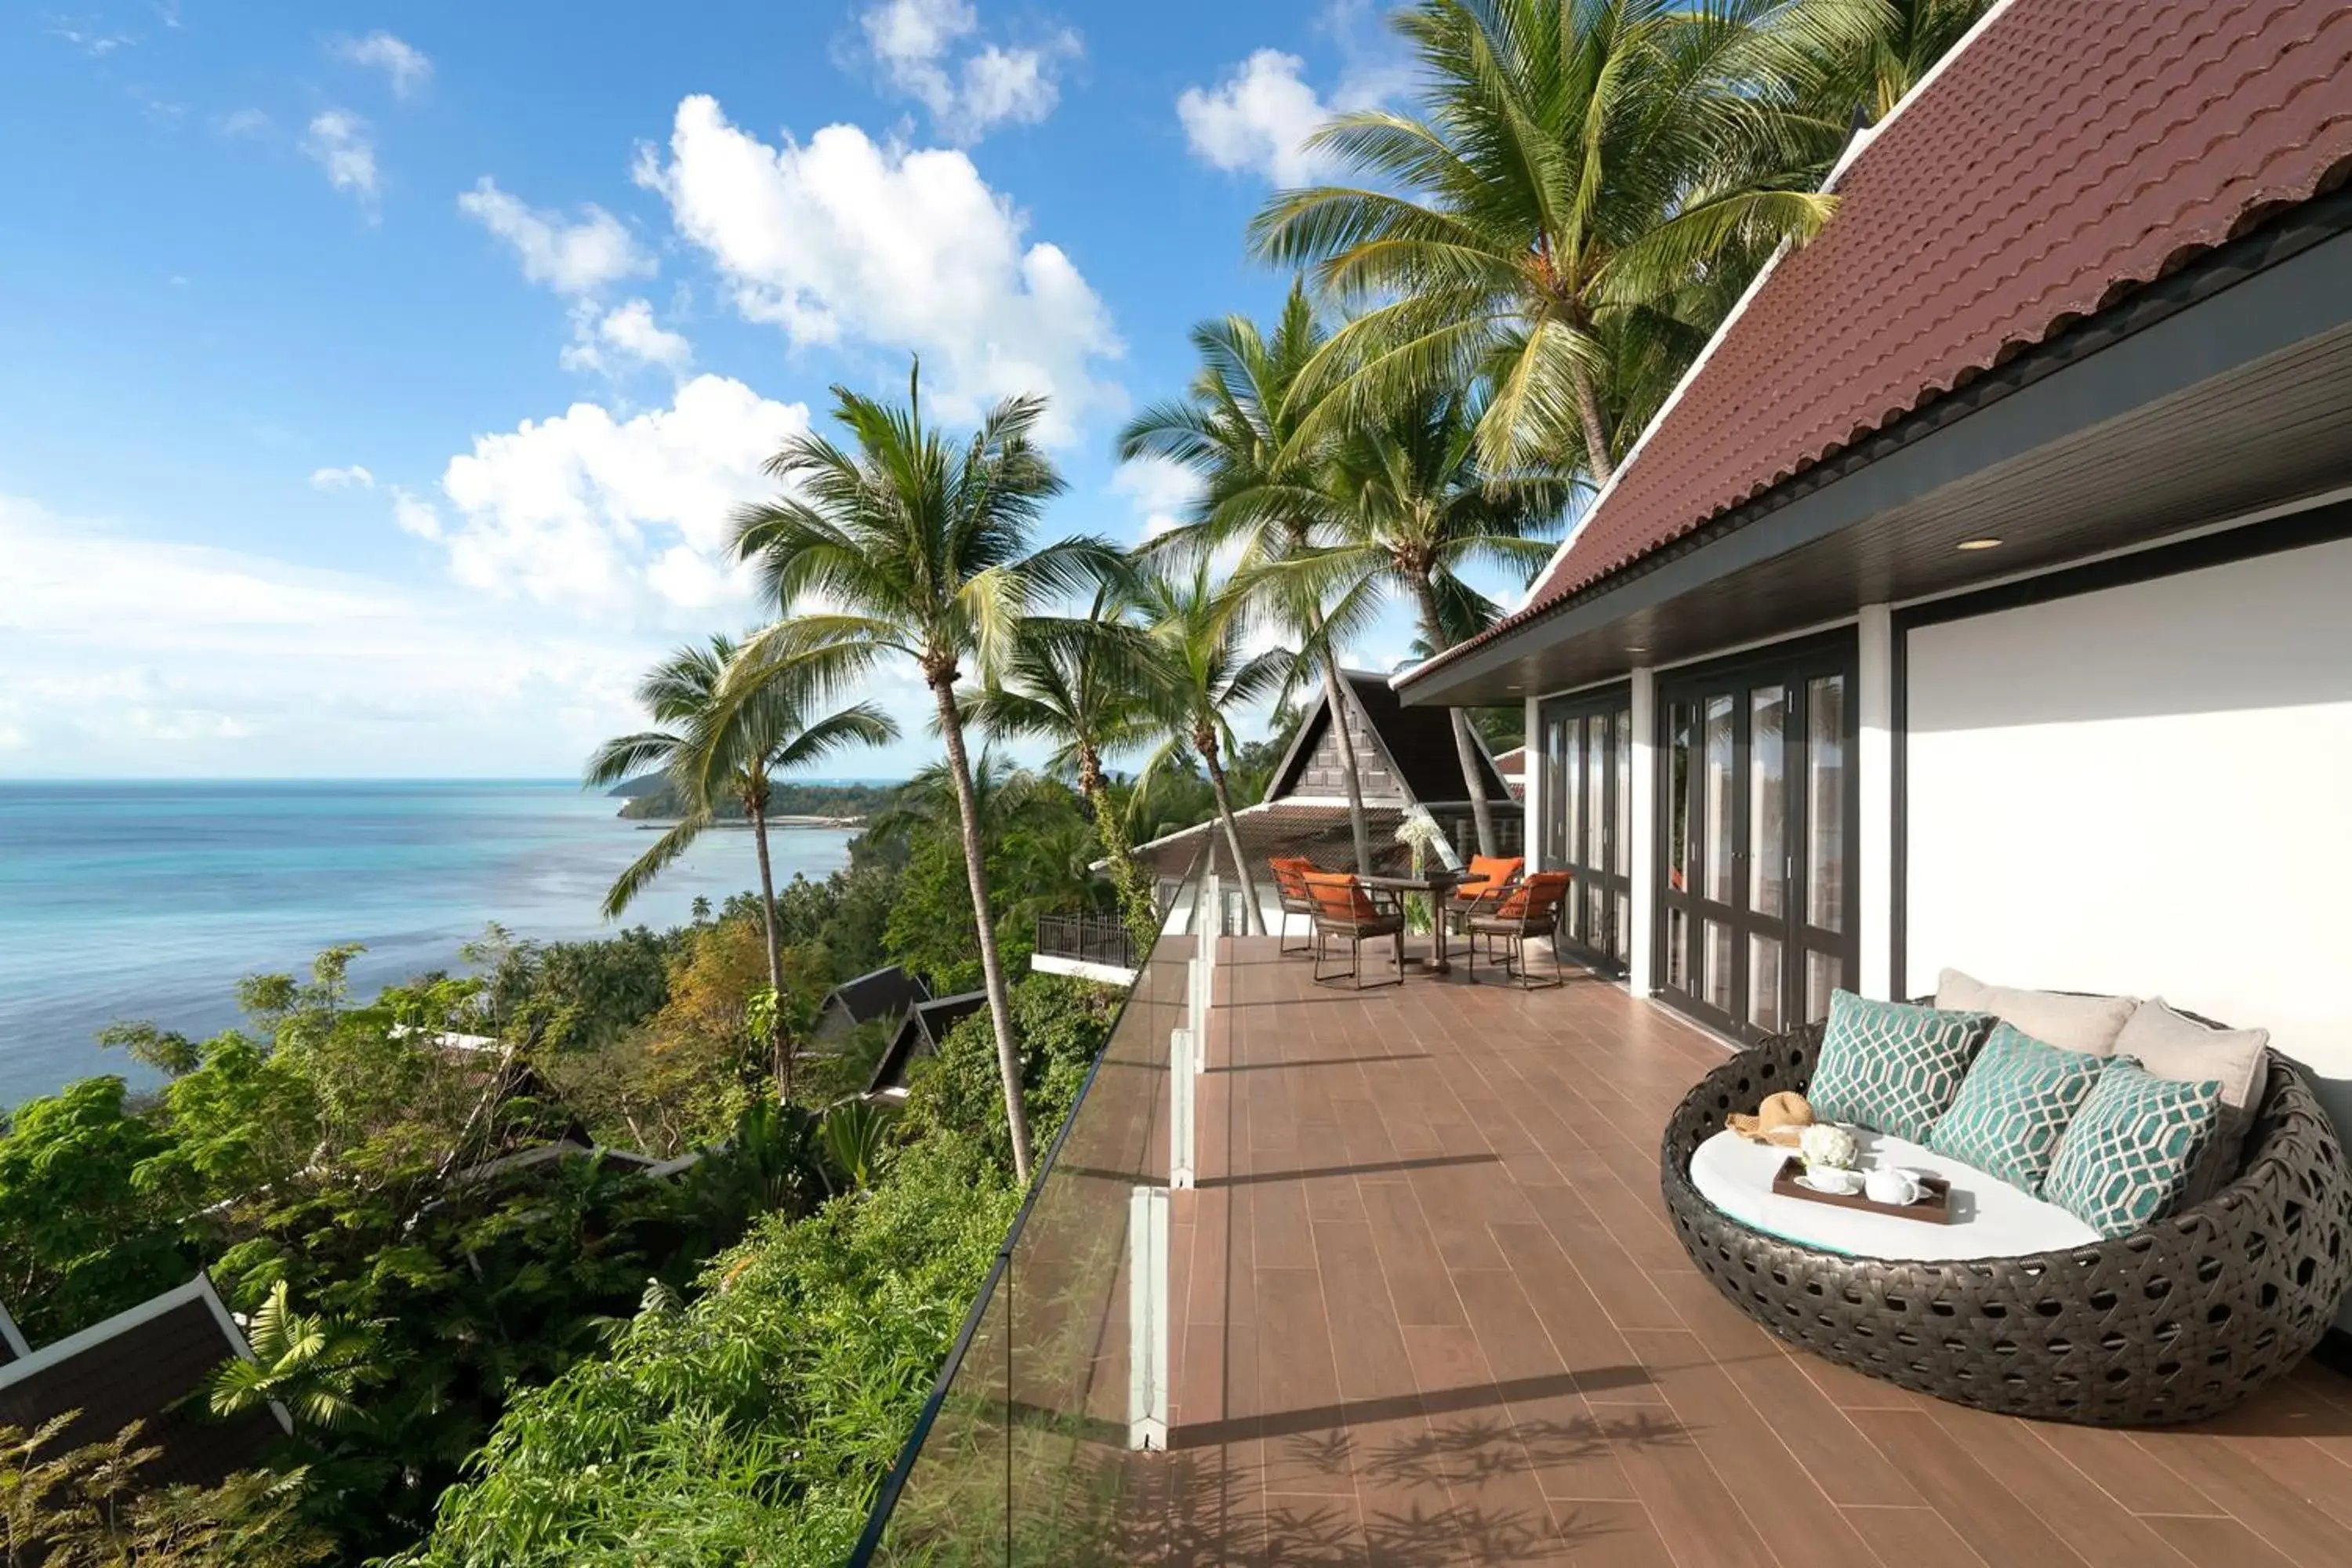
(352, 478)
(138, 655)
(404, 65)
(1158, 490)
(243, 123)
(571, 258)
(629, 331)
(412, 514)
(842, 241)
(337, 141)
(90, 38)
(1258, 119)
(915, 43)
(622, 519)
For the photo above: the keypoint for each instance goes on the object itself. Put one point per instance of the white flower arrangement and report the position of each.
(1418, 831)
(1829, 1146)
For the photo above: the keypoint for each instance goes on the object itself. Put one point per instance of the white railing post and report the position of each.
(1147, 1318)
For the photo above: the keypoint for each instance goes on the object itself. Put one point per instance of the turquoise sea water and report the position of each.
(148, 900)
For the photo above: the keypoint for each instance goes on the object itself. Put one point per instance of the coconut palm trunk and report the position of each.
(781, 1060)
(1596, 426)
(991, 965)
(1335, 702)
(1137, 906)
(1466, 744)
(1204, 741)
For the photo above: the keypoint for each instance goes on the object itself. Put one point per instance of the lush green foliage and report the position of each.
(750, 1424)
(87, 1508)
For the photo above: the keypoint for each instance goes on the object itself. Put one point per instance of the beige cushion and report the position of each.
(2071, 1023)
(2186, 1051)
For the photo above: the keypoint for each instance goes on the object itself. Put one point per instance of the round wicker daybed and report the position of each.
(2174, 1323)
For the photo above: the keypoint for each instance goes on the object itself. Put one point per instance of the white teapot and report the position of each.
(1893, 1186)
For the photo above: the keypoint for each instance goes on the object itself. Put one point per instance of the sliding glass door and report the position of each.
(1586, 799)
(1758, 794)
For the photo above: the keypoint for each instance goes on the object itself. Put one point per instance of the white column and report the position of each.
(1531, 788)
(1147, 1318)
(1641, 975)
(1871, 898)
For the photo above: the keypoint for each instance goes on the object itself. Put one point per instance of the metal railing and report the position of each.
(1027, 1450)
(1089, 938)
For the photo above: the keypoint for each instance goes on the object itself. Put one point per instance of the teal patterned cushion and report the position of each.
(2015, 1105)
(1892, 1067)
(2127, 1154)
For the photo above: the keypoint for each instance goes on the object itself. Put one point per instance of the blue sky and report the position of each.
(374, 383)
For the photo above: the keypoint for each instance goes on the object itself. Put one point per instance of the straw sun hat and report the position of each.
(1781, 1119)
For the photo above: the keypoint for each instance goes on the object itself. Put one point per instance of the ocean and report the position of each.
(149, 899)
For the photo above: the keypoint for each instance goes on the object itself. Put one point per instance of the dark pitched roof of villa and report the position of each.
(1412, 759)
(882, 994)
(144, 1365)
(926, 1024)
(2065, 157)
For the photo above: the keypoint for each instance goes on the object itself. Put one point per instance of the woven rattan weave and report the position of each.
(2173, 1322)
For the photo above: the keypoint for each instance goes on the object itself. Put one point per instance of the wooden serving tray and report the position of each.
(1934, 1208)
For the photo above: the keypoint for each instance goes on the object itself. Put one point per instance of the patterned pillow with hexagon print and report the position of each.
(1892, 1066)
(2127, 1156)
(2015, 1105)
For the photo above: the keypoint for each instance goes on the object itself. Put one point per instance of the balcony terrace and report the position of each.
(1426, 1309)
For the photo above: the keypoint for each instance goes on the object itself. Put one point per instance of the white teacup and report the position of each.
(1893, 1186)
(1834, 1179)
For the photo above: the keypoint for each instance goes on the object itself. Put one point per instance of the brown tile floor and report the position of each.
(1430, 1311)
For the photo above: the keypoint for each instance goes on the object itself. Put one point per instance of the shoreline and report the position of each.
(834, 823)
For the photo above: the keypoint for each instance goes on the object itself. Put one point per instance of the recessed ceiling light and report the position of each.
(1986, 543)
(1637, 647)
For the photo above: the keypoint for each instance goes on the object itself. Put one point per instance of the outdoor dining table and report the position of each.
(1439, 884)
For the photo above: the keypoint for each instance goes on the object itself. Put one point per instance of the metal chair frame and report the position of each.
(1350, 921)
(1290, 874)
(1540, 917)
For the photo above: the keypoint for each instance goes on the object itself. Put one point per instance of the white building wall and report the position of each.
(2146, 790)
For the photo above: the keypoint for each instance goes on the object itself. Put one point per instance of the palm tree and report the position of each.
(1412, 508)
(919, 548)
(1204, 676)
(1872, 74)
(707, 746)
(1084, 683)
(1574, 165)
(311, 1365)
(1241, 429)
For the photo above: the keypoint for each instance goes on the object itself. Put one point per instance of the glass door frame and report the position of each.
(1565, 843)
(1793, 667)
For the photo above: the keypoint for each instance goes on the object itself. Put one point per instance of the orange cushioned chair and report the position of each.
(1347, 909)
(1530, 909)
(1290, 874)
(1483, 884)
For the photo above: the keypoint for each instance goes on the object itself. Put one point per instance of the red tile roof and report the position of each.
(2073, 151)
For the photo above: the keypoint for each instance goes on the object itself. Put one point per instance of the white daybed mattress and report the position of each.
(1992, 1219)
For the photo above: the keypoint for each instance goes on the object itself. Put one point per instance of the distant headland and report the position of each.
(652, 799)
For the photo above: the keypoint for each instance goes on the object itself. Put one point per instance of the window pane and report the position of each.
(1719, 965)
(1824, 972)
(1596, 792)
(1678, 952)
(1716, 835)
(1682, 793)
(1623, 843)
(1825, 834)
(1596, 917)
(1621, 935)
(1555, 779)
(1764, 983)
(1768, 800)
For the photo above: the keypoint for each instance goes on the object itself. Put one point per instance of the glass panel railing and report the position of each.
(1028, 1450)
